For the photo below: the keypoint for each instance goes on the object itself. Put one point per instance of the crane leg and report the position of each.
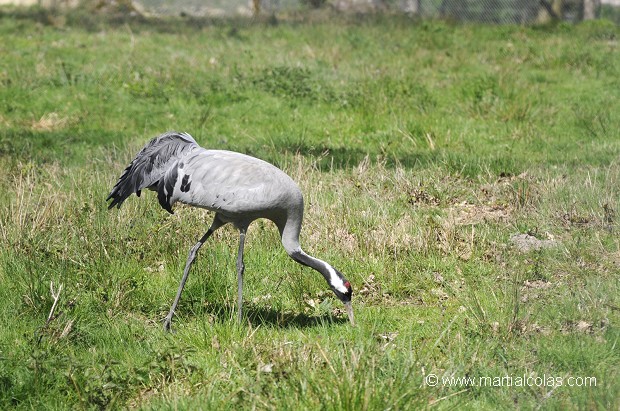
(240, 269)
(190, 259)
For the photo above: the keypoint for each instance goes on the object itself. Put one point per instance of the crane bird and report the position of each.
(237, 187)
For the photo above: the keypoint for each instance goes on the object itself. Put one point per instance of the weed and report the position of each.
(424, 149)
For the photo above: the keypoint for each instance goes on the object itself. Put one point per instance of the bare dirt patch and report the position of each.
(468, 214)
(526, 242)
(532, 290)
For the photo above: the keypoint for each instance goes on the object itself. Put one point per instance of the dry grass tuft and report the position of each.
(52, 122)
(35, 205)
(470, 214)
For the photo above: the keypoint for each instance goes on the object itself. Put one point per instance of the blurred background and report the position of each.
(487, 11)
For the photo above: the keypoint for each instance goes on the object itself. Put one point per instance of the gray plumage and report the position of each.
(237, 187)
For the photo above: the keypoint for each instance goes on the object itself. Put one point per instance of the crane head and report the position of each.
(345, 297)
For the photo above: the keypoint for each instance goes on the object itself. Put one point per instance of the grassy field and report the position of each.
(422, 148)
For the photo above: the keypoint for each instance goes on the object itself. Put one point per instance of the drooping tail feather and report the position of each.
(151, 164)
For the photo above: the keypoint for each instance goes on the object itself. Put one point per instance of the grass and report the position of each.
(421, 147)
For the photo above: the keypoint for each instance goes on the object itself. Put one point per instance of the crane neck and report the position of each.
(331, 275)
(289, 231)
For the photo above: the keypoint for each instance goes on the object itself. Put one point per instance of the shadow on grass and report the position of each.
(328, 157)
(78, 147)
(257, 315)
(68, 146)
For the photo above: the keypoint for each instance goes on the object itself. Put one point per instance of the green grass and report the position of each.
(421, 147)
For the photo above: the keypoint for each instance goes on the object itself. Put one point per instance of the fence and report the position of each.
(488, 11)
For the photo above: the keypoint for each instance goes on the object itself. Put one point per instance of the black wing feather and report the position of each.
(151, 164)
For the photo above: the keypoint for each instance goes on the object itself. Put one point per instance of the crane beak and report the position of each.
(349, 309)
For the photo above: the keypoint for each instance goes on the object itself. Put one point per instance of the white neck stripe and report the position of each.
(335, 280)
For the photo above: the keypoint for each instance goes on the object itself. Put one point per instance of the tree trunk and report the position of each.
(589, 9)
(411, 6)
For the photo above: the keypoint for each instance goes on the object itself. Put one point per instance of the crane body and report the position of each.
(238, 188)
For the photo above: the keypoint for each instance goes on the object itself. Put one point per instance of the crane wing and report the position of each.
(151, 164)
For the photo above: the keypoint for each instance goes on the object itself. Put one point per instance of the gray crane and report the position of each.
(237, 187)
